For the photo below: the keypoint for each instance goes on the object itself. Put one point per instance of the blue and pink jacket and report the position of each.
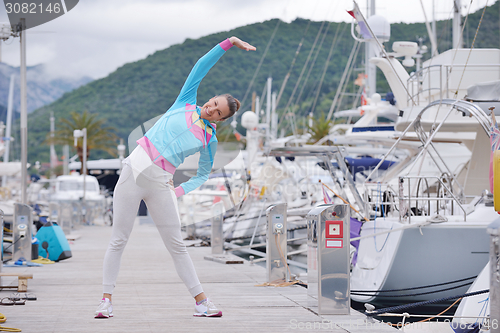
(181, 132)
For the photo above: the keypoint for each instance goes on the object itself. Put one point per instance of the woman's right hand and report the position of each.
(241, 44)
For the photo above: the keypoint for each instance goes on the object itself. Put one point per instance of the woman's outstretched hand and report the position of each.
(241, 44)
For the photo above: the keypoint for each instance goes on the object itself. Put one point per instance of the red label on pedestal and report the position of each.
(334, 229)
(334, 243)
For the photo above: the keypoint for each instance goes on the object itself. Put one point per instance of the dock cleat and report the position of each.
(206, 309)
(104, 310)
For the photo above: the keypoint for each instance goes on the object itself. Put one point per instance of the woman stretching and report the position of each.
(147, 175)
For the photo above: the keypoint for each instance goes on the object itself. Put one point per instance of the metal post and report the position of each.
(66, 160)
(257, 108)
(274, 117)
(65, 216)
(9, 126)
(21, 233)
(56, 216)
(276, 245)
(190, 226)
(52, 149)
(217, 240)
(268, 108)
(76, 135)
(24, 115)
(84, 162)
(494, 231)
(328, 259)
(121, 152)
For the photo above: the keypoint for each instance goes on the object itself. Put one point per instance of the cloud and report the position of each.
(97, 37)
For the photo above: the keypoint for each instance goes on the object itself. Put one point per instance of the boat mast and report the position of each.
(24, 113)
(457, 25)
(268, 108)
(371, 69)
(434, 31)
(53, 156)
(9, 126)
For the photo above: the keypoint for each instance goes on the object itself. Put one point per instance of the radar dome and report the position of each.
(380, 27)
(249, 120)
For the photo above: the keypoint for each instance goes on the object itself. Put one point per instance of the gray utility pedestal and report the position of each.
(276, 245)
(21, 232)
(328, 259)
(217, 238)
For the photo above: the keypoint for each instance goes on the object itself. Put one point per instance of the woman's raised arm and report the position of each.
(241, 44)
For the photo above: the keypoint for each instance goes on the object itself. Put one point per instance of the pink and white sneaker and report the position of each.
(206, 309)
(105, 309)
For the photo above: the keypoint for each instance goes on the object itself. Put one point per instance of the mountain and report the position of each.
(43, 88)
(139, 91)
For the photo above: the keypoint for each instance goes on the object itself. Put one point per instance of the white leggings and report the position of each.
(162, 205)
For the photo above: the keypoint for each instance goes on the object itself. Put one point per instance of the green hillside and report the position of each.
(139, 91)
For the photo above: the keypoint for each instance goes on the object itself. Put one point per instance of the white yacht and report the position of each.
(428, 238)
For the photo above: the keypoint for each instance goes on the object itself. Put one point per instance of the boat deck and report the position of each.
(150, 297)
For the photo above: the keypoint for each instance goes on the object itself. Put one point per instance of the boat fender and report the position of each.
(496, 180)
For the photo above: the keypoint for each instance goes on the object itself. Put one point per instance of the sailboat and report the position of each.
(427, 238)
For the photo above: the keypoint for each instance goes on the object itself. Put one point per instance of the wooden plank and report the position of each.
(21, 275)
(150, 296)
(22, 281)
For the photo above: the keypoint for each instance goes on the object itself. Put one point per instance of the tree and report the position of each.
(98, 136)
(319, 128)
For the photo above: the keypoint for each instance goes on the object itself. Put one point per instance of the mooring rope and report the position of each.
(417, 304)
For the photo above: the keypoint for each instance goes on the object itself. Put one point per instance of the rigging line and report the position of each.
(442, 36)
(303, 70)
(434, 50)
(291, 66)
(353, 55)
(327, 62)
(358, 94)
(314, 61)
(472, 46)
(351, 68)
(312, 64)
(461, 38)
(261, 61)
(454, 56)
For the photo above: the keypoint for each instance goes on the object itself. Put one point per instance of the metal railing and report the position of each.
(467, 108)
(437, 78)
(405, 200)
(415, 196)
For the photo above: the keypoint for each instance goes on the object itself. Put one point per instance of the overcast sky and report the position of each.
(98, 36)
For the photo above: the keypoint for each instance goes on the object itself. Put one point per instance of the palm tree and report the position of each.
(98, 136)
(319, 128)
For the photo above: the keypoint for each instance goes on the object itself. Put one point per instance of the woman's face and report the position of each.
(215, 109)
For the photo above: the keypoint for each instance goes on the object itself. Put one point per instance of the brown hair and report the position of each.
(233, 104)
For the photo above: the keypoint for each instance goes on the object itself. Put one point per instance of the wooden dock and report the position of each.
(150, 297)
